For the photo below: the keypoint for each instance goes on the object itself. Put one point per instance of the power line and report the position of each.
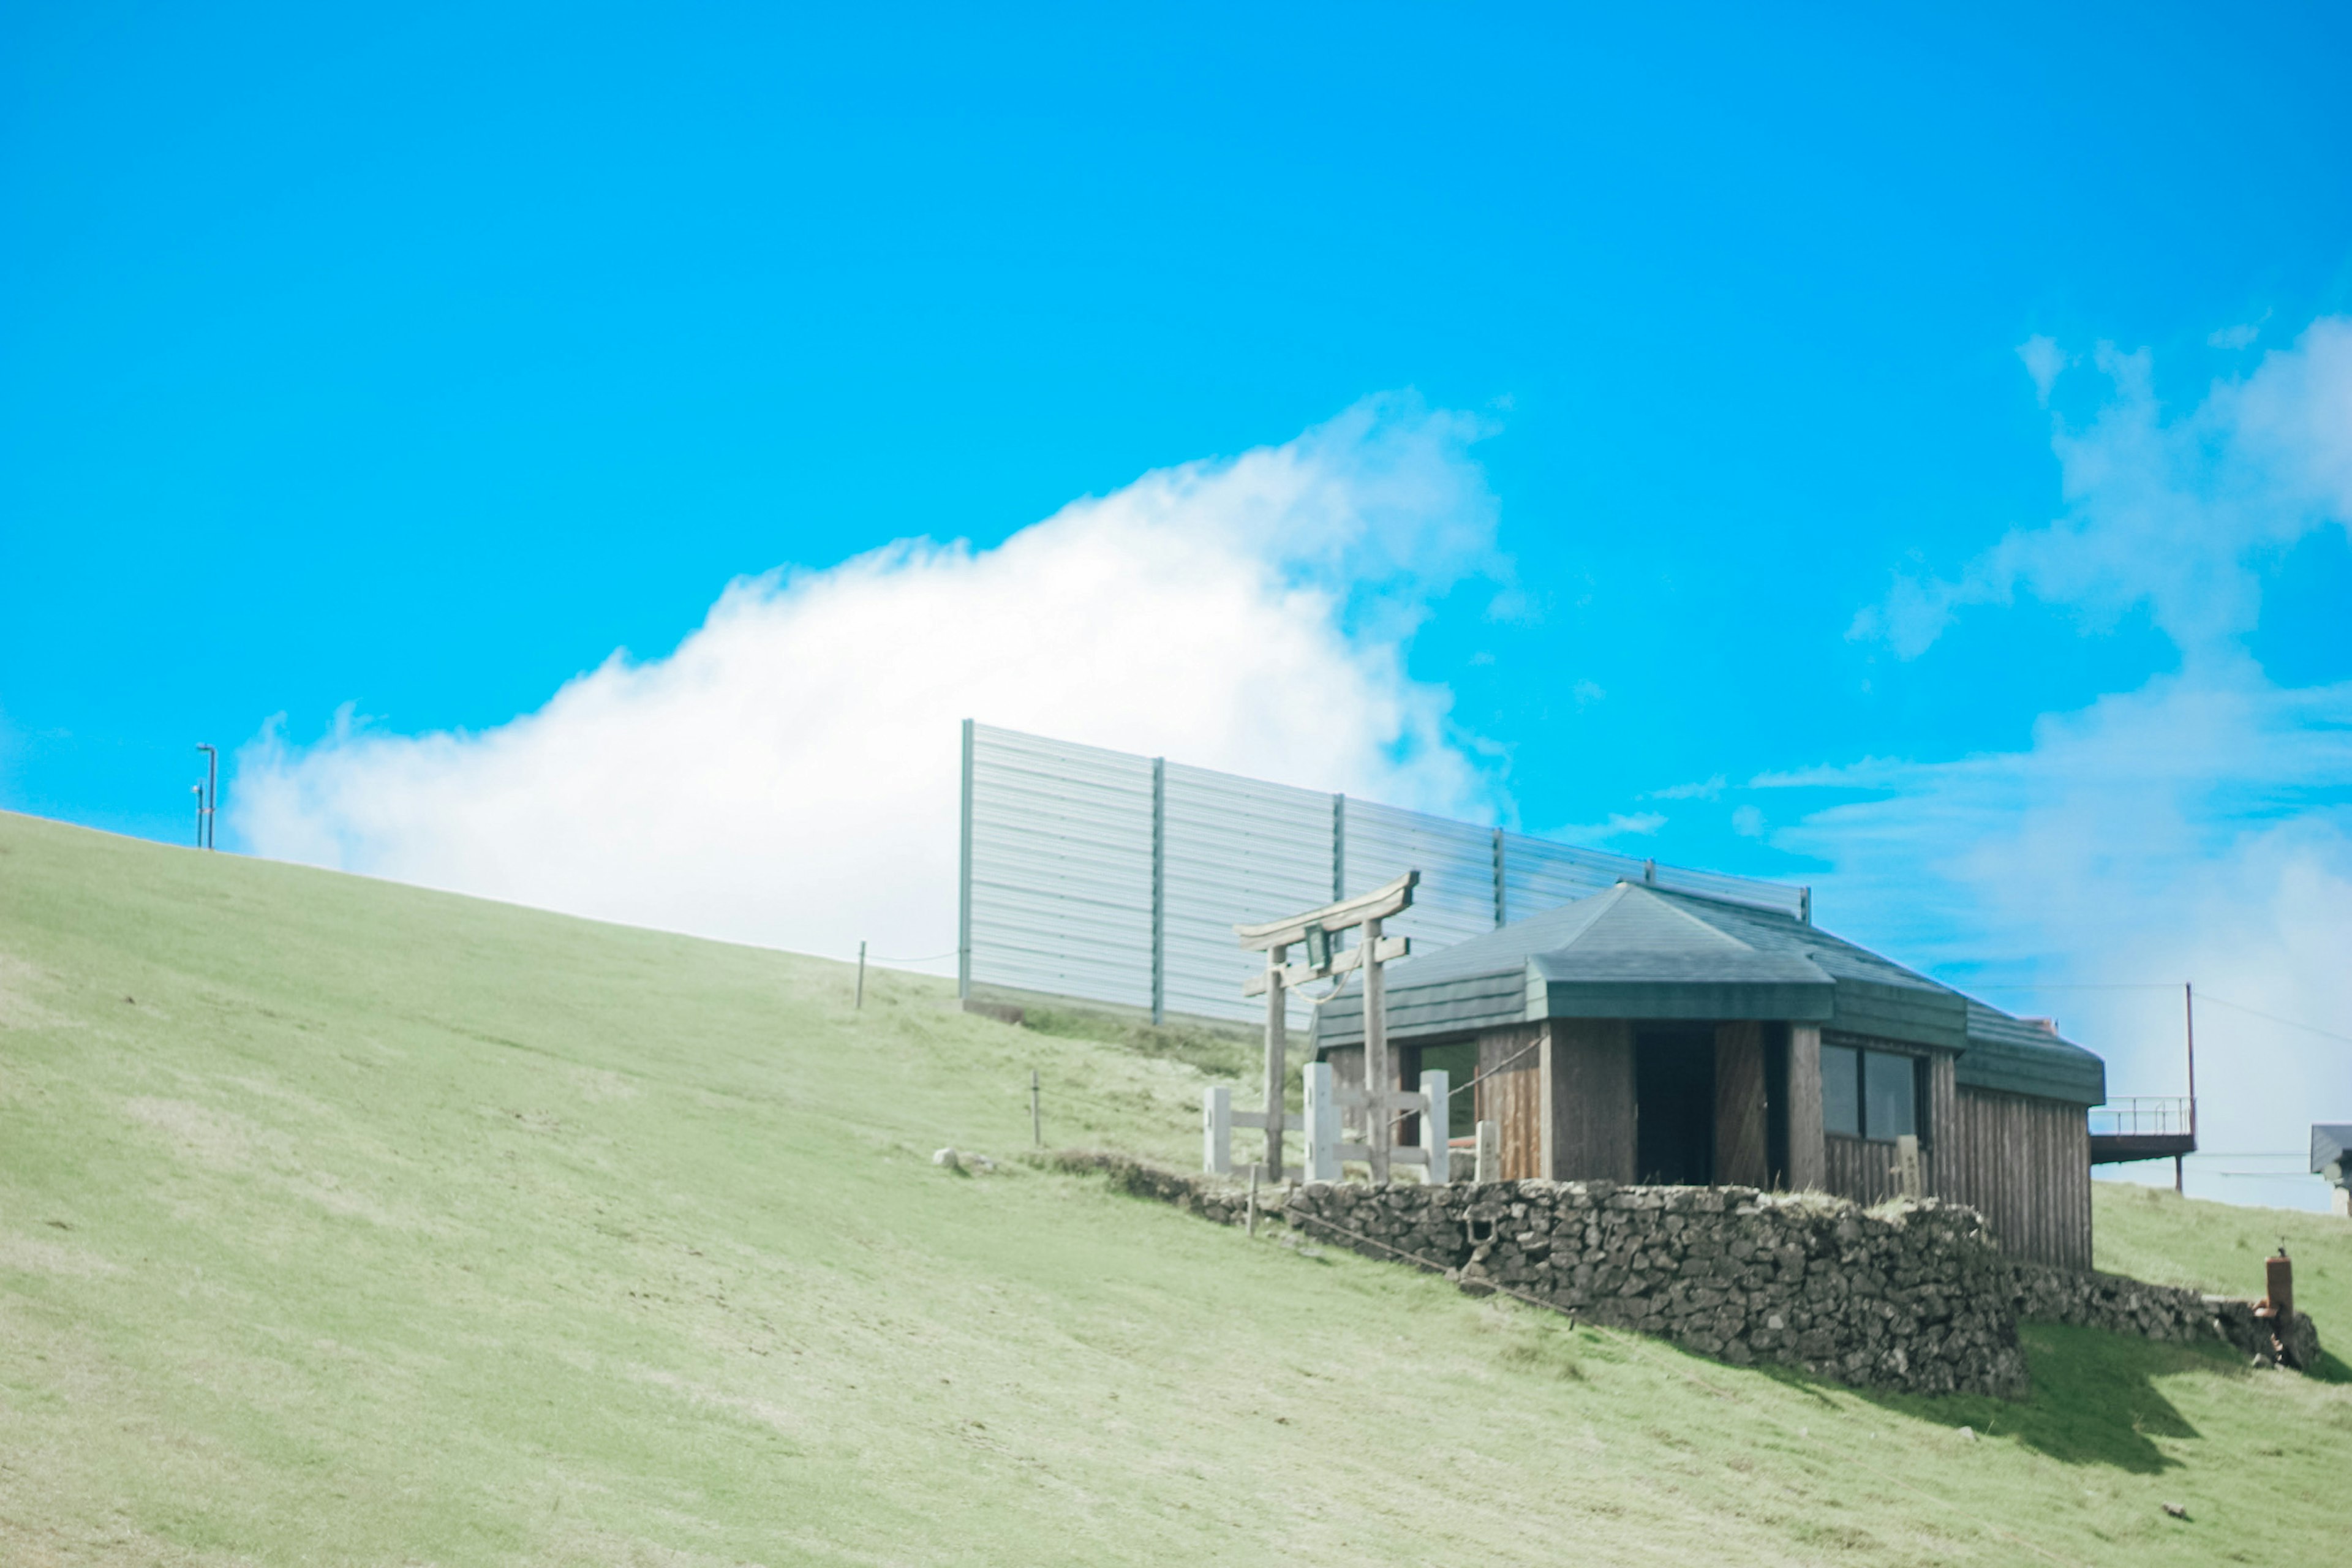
(2114, 986)
(2201, 996)
(2273, 1018)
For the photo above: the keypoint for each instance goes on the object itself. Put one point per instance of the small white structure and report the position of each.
(1326, 1147)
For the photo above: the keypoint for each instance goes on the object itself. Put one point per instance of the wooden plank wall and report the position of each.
(1740, 1157)
(1510, 1093)
(2025, 1165)
(1589, 1085)
(1859, 1169)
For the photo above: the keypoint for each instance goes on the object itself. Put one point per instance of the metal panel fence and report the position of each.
(1117, 879)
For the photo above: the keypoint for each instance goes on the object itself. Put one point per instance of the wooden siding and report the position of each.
(1861, 1169)
(1589, 1085)
(1808, 1167)
(2025, 1165)
(1740, 1158)
(1511, 1094)
(1943, 1114)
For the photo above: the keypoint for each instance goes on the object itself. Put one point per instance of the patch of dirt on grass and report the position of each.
(601, 1084)
(17, 1008)
(217, 1138)
(774, 1416)
(37, 1255)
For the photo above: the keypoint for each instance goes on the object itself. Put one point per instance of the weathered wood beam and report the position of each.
(1388, 898)
(1391, 947)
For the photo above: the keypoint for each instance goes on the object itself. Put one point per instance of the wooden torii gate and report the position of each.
(1318, 931)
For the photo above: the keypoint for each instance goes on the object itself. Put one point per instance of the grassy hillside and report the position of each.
(345, 1222)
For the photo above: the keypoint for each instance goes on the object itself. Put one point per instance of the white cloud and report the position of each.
(1621, 825)
(2175, 514)
(2043, 360)
(2194, 830)
(1707, 789)
(787, 776)
(2197, 829)
(2240, 336)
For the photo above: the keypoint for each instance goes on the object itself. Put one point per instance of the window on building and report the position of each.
(1842, 1090)
(1869, 1094)
(1889, 1102)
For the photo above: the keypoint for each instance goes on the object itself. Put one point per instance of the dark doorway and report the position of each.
(1674, 1107)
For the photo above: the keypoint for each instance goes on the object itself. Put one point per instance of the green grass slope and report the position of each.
(343, 1222)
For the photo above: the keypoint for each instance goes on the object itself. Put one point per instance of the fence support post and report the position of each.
(1379, 1077)
(1435, 1125)
(1906, 1172)
(1322, 1124)
(1278, 1028)
(1490, 1152)
(1217, 1130)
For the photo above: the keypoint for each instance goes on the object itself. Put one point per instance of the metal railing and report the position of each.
(2145, 1115)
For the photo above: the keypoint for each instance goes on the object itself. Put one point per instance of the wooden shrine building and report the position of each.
(1646, 1036)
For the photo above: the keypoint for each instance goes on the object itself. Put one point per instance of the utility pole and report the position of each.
(2189, 1029)
(859, 1005)
(207, 796)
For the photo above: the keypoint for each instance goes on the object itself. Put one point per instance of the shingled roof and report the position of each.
(1637, 951)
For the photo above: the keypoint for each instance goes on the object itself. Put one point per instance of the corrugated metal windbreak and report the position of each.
(1082, 867)
(1456, 862)
(1060, 868)
(1541, 875)
(1237, 851)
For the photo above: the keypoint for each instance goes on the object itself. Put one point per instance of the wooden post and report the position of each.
(1908, 1179)
(1808, 1169)
(1489, 1166)
(859, 1005)
(1217, 1130)
(1380, 1078)
(1278, 1047)
(1434, 1124)
(1322, 1124)
(1036, 1112)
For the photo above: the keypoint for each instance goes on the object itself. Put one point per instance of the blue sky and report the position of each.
(420, 362)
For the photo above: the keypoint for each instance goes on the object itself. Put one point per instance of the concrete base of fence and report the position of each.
(1911, 1295)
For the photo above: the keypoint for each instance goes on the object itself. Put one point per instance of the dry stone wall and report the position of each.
(2123, 1306)
(1910, 1295)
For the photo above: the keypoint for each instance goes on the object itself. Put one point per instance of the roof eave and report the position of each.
(1679, 999)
